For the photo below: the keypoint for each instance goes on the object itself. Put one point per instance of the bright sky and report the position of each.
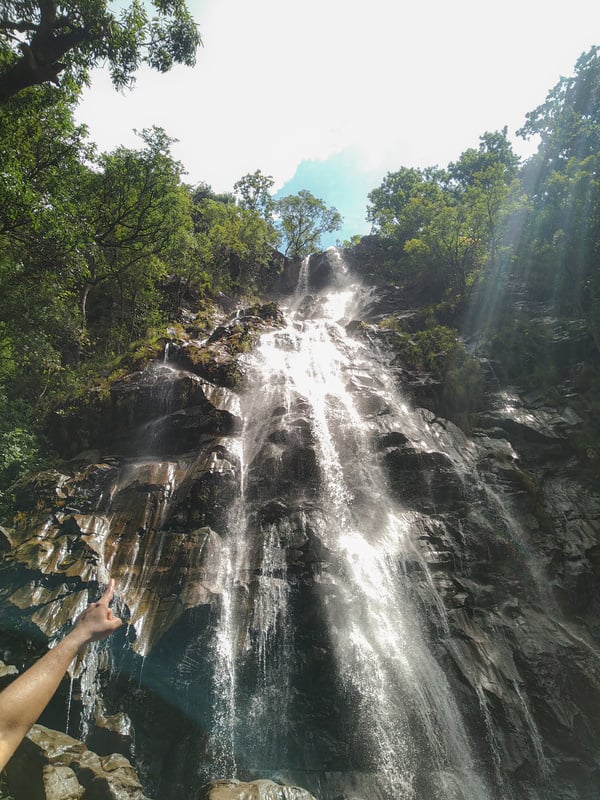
(329, 95)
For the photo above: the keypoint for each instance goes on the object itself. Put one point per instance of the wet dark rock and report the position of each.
(385, 302)
(112, 733)
(273, 511)
(391, 439)
(287, 275)
(311, 306)
(280, 436)
(357, 327)
(321, 271)
(185, 430)
(65, 547)
(220, 332)
(217, 359)
(135, 405)
(205, 495)
(526, 421)
(371, 405)
(423, 480)
(278, 469)
(5, 542)
(269, 312)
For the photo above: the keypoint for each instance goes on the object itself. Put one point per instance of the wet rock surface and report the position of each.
(504, 524)
(50, 765)
(255, 790)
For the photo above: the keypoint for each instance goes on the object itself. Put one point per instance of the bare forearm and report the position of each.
(23, 701)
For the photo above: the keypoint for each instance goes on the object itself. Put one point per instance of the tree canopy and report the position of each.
(296, 222)
(302, 219)
(41, 40)
(447, 223)
(235, 244)
(254, 192)
(560, 246)
(134, 213)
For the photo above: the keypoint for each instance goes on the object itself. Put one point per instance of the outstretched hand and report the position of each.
(97, 621)
(23, 701)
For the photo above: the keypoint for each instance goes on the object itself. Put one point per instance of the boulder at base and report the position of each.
(254, 790)
(49, 765)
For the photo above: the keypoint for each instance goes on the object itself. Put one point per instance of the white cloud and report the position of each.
(280, 81)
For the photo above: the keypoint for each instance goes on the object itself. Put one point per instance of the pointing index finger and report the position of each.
(108, 594)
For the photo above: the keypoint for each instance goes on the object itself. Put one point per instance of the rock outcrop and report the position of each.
(50, 765)
(255, 790)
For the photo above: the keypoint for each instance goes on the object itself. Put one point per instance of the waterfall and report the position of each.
(311, 473)
(323, 584)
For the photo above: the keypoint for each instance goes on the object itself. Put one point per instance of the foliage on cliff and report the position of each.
(453, 378)
(507, 253)
(486, 221)
(446, 225)
(559, 250)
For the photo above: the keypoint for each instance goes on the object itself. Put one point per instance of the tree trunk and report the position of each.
(83, 329)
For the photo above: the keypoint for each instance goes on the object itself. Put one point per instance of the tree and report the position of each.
(302, 219)
(479, 165)
(40, 40)
(204, 191)
(136, 213)
(568, 122)
(447, 225)
(450, 245)
(41, 155)
(403, 204)
(234, 244)
(561, 244)
(254, 192)
(487, 177)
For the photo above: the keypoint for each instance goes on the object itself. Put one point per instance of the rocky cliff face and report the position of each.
(264, 531)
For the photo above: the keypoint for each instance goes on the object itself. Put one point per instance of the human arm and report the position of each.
(25, 698)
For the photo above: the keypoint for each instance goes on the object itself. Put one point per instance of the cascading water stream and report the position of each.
(407, 720)
(253, 612)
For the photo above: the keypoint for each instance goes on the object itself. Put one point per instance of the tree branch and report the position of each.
(47, 20)
(21, 26)
(40, 61)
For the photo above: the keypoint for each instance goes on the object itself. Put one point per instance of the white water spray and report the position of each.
(406, 711)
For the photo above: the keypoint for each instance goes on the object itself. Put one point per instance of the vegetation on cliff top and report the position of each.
(506, 253)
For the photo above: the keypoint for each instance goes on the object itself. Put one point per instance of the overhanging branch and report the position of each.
(40, 62)
(22, 26)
